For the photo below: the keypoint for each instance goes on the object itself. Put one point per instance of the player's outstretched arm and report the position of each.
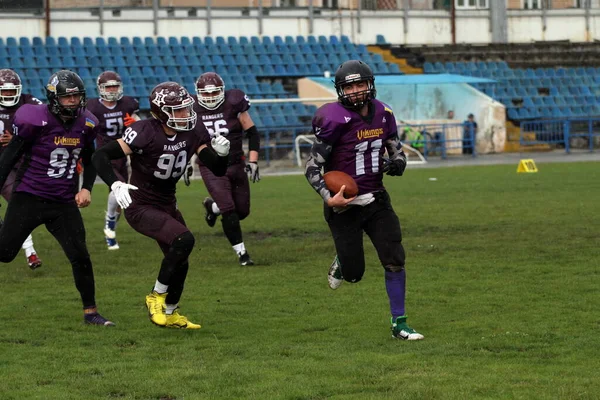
(101, 160)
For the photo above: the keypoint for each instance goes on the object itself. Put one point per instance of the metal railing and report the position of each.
(580, 133)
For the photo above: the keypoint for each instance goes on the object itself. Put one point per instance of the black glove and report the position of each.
(252, 170)
(187, 174)
(394, 167)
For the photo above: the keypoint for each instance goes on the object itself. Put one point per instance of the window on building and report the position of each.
(532, 4)
(470, 4)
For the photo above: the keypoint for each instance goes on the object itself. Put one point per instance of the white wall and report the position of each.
(424, 27)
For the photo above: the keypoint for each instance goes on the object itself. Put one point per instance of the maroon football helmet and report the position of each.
(166, 99)
(9, 80)
(108, 79)
(211, 90)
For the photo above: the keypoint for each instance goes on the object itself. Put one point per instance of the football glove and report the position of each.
(189, 171)
(252, 170)
(121, 191)
(221, 145)
(128, 120)
(394, 167)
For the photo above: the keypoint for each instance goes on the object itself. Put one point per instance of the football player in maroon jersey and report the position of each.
(114, 112)
(160, 148)
(225, 113)
(11, 98)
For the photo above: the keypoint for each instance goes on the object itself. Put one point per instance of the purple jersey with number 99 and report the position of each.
(357, 142)
(52, 150)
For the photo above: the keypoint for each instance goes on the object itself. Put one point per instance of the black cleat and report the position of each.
(245, 259)
(210, 217)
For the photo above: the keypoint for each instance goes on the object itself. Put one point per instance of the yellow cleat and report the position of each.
(177, 320)
(156, 308)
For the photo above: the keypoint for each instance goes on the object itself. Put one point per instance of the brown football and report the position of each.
(335, 179)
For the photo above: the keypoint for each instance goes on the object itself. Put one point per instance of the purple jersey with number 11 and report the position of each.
(50, 159)
(357, 143)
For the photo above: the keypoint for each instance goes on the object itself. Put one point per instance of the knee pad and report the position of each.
(183, 244)
(243, 215)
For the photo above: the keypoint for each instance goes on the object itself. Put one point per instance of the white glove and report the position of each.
(121, 191)
(221, 145)
(189, 171)
(252, 171)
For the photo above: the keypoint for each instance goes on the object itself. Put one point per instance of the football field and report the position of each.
(503, 281)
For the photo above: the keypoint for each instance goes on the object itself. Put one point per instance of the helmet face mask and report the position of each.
(210, 89)
(349, 73)
(167, 101)
(106, 80)
(65, 84)
(9, 82)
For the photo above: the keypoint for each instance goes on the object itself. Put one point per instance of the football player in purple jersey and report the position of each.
(51, 138)
(114, 112)
(160, 148)
(352, 135)
(225, 113)
(11, 98)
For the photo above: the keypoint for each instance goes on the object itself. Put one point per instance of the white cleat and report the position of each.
(334, 276)
(109, 233)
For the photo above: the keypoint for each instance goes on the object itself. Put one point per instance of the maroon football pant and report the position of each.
(162, 223)
(232, 191)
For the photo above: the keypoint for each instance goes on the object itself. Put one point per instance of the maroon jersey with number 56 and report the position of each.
(224, 121)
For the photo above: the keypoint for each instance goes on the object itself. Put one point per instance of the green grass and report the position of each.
(503, 281)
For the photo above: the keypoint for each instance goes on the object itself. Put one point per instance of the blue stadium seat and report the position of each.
(37, 41)
(161, 41)
(380, 40)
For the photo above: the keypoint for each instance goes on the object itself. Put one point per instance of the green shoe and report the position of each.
(401, 330)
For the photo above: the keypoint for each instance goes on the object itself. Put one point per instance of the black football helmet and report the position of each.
(354, 71)
(65, 83)
(165, 99)
(9, 80)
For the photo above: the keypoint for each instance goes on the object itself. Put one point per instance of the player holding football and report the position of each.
(114, 112)
(352, 136)
(160, 148)
(51, 139)
(225, 113)
(11, 99)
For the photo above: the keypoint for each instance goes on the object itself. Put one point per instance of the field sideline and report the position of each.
(502, 280)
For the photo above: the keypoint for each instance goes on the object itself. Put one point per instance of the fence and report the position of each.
(582, 133)
(425, 140)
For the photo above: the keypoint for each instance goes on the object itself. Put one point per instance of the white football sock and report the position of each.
(239, 248)
(169, 308)
(160, 288)
(112, 206)
(215, 208)
(28, 246)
